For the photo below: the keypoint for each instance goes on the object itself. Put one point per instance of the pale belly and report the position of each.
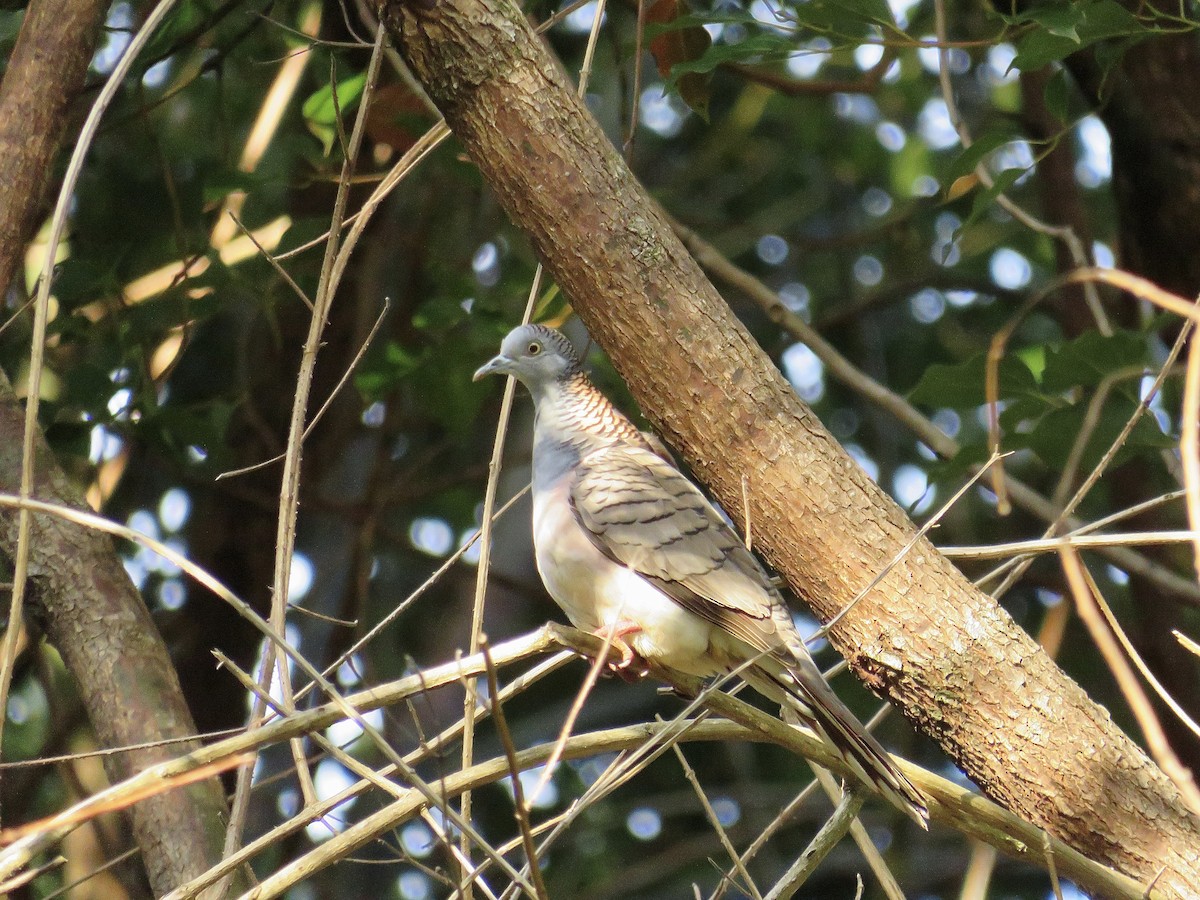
(598, 594)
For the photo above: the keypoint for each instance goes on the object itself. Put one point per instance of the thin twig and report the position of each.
(520, 808)
(714, 820)
(1048, 855)
(1085, 592)
(1072, 539)
(826, 839)
(337, 389)
(485, 556)
(41, 318)
(1189, 445)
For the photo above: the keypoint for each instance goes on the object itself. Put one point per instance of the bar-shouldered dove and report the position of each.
(631, 549)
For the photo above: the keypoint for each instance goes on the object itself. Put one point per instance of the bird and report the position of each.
(633, 551)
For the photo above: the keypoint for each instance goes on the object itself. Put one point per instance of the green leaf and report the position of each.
(1057, 95)
(674, 46)
(1028, 409)
(381, 373)
(1056, 432)
(962, 385)
(1091, 357)
(973, 155)
(754, 48)
(321, 111)
(984, 199)
(1066, 28)
(871, 10)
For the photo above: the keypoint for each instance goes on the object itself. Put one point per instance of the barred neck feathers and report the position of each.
(576, 411)
(574, 419)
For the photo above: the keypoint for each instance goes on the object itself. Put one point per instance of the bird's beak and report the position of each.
(496, 365)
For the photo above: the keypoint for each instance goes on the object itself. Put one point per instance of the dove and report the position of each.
(634, 552)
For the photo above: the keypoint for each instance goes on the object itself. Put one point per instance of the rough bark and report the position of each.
(45, 72)
(89, 609)
(948, 656)
(93, 615)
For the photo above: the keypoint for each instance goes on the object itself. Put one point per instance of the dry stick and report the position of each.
(28, 875)
(639, 35)
(962, 809)
(520, 809)
(1128, 512)
(1064, 233)
(289, 499)
(825, 840)
(474, 871)
(481, 570)
(17, 855)
(979, 872)
(1136, 658)
(337, 389)
(289, 493)
(858, 831)
(377, 778)
(1063, 515)
(1187, 642)
(1084, 591)
(1048, 853)
(840, 368)
(275, 264)
(1071, 539)
(364, 771)
(765, 835)
(70, 887)
(577, 704)
(625, 768)
(711, 814)
(41, 317)
(414, 757)
(982, 863)
(1189, 445)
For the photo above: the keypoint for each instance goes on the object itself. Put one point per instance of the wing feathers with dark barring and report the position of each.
(641, 512)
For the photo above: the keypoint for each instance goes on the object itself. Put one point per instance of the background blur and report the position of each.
(813, 145)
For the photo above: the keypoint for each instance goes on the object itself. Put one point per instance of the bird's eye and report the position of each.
(534, 348)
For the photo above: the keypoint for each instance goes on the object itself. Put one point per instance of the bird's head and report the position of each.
(535, 355)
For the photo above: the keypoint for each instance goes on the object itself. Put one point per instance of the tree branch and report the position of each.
(95, 618)
(946, 654)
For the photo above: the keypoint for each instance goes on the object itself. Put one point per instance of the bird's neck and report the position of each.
(573, 420)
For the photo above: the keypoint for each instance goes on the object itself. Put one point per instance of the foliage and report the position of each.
(809, 141)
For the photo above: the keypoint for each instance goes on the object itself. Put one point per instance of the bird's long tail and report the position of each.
(801, 689)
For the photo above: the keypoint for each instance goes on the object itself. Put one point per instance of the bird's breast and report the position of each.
(597, 593)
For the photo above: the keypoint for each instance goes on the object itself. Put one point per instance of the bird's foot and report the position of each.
(627, 664)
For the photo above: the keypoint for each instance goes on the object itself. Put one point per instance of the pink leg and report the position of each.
(615, 634)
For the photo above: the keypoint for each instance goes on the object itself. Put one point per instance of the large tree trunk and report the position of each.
(80, 592)
(948, 656)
